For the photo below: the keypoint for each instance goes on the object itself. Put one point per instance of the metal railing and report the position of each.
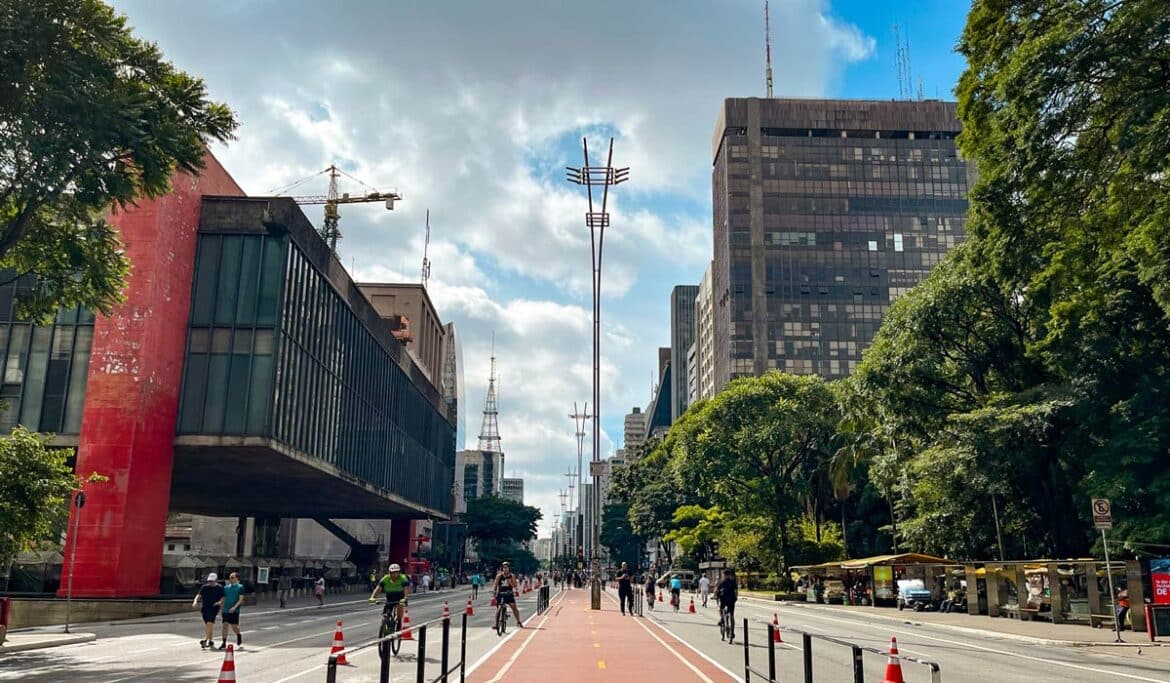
(806, 638)
(384, 653)
(542, 598)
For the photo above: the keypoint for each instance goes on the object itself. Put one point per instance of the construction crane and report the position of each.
(329, 230)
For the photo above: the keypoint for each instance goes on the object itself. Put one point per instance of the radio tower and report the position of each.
(489, 433)
(767, 50)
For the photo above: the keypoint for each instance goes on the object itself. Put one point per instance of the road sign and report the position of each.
(597, 468)
(1102, 514)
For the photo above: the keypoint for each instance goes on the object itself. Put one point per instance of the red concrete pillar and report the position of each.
(132, 395)
(399, 546)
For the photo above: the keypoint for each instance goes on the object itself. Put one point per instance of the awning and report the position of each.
(903, 558)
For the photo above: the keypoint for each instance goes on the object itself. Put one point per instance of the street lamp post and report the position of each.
(79, 502)
(597, 221)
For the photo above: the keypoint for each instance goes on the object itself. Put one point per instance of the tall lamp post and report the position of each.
(603, 177)
(79, 502)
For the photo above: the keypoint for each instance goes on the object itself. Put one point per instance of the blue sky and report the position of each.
(472, 110)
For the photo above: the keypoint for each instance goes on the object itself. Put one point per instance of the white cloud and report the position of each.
(464, 108)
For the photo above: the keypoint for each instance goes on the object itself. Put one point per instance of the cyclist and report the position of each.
(650, 590)
(504, 588)
(396, 587)
(675, 590)
(726, 593)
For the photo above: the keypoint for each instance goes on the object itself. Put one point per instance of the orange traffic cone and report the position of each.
(469, 610)
(338, 646)
(406, 625)
(893, 666)
(227, 673)
(776, 629)
(660, 597)
(446, 611)
(691, 609)
(493, 600)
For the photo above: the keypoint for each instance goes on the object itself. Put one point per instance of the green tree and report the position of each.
(36, 486)
(617, 534)
(497, 522)
(696, 530)
(759, 442)
(91, 119)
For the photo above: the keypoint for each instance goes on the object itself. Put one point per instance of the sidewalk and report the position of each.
(574, 643)
(38, 638)
(1035, 632)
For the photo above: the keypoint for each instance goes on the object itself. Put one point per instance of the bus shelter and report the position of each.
(873, 580)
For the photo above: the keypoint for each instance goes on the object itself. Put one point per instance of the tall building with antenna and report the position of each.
(824, 213)
(481, 471)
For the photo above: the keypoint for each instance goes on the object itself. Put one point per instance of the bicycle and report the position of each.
(390, 623)
(726, 625)
(501, 623)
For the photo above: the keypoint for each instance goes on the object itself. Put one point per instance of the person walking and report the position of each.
(319, 591)
(1122, 608)
(704, 588)
(650, 586)
(209, 599)
(476, 580)
(625, 582)
(233, 600)
(426, 582)
(283, 586)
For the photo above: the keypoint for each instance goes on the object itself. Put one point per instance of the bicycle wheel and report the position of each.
(396, 642)
(383, 629)
(501, 620)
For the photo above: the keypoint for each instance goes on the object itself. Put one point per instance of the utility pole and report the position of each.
(597, 221)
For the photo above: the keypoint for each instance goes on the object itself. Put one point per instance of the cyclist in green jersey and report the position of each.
(396, 587)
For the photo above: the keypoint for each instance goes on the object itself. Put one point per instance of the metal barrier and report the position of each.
(542, 596)
(444, 659)
(639, 598)
(806, 638)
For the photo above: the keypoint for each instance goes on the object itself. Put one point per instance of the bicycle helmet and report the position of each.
(395, 568)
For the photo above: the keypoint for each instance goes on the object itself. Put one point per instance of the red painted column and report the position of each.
(399, 546)
(132, 395)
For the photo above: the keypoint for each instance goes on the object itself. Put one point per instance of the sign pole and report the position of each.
(1112, 590)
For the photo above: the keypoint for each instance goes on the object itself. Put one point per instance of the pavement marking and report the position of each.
(654, 620)
(601, 664)
(597, 645)
(516, 655)
(1042, 660)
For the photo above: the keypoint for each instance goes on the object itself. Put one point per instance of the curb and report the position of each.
(44, 644)
(971, 631)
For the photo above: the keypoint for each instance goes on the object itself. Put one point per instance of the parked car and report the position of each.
(914, 594)
(834, 591)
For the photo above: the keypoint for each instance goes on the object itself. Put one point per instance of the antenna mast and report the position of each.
(767, 50)
(426, 264)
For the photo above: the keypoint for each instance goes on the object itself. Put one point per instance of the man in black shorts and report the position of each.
(211, 596)
(504, 588)
(625, 582)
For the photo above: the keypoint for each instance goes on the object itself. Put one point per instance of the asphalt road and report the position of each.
(279, 645)
(962, 657)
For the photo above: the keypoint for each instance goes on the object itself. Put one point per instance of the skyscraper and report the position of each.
(682, 335)
(513, 489)
(635, 430)
(825, 211)
(705, 338)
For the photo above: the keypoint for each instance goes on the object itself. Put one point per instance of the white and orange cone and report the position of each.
(446, 611)
(469, 610)
(406, 625)
(338, 646)
(893, 666)
(227, 673)
(691, 608)
(776, 629)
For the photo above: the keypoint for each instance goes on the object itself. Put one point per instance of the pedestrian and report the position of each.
(373, 578)
(625, 582)
(426, 582)
(476, 579)
(319, 591)
(209, 599)
(704, 588)
(1122, 608)
(283, 586)
(233, 600)
(650, 590)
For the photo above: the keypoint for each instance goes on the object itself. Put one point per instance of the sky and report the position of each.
(472, 109)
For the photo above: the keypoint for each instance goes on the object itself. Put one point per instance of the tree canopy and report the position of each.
(495, 519)
(91, 119)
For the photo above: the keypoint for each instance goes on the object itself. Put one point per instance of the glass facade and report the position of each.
(682, 336)
(275, 351)
(820, 226)
(45, 366)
